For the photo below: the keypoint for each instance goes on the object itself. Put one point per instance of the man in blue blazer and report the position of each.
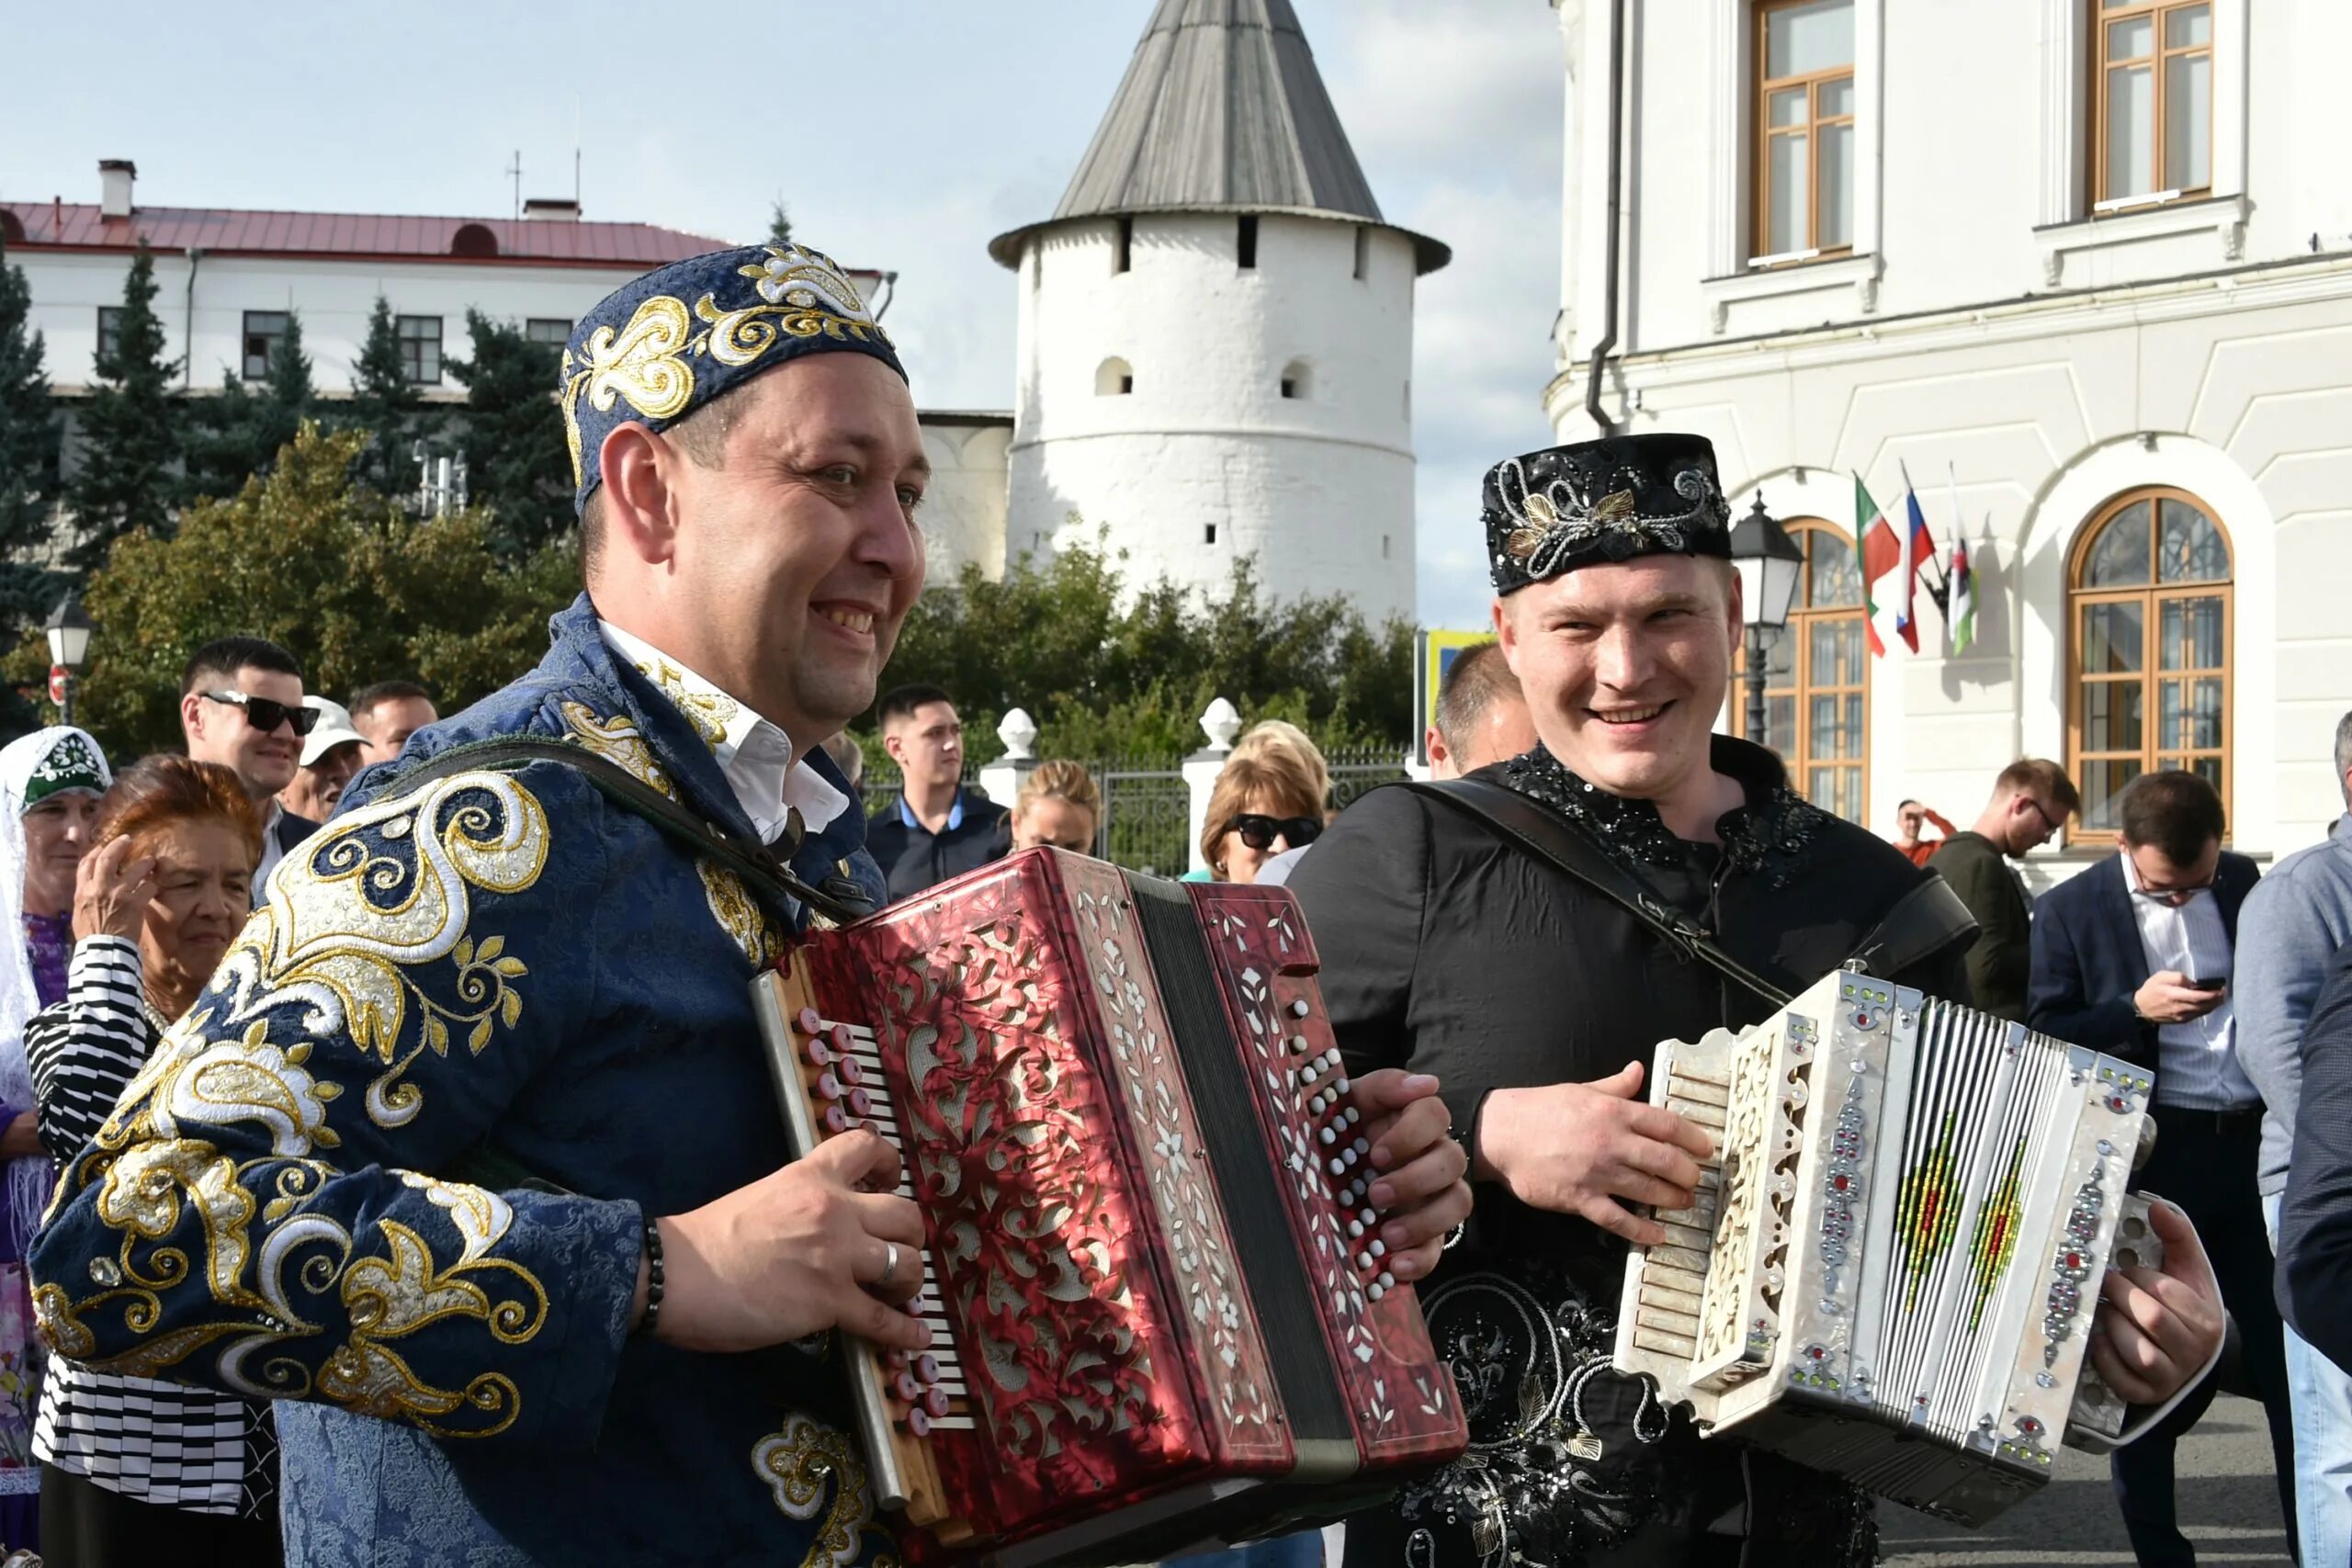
(2133, 957)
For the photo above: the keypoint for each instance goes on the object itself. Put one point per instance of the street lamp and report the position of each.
(69, 644)
(1769, 563)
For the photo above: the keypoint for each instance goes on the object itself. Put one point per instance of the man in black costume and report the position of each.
(1455, 942)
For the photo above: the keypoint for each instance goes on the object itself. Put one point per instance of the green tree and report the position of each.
(518, 461)
(385, 403)
(779, 223)
(238, 433)
(29, 440)
(310, 558)
(1109, 672)
(129, 431)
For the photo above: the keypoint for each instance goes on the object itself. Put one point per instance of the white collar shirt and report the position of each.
(755, 756)
(2197, 1062)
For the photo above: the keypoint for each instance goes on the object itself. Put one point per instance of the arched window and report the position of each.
(2148, 644)
(1114, 379)
(1294, 381)
(12, 228)
(1816, 687)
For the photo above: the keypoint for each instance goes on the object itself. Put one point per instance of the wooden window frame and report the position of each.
(2152, 594)
(1802, 615)
(1760, 173)
(2157, 11)
(414, 371)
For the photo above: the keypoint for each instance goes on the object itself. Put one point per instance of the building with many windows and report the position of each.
(2078, 270)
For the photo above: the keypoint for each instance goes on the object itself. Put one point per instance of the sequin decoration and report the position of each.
(2070, 1267)
(1770, 839)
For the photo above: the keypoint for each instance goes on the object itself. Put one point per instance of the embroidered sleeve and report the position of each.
(254, 1216)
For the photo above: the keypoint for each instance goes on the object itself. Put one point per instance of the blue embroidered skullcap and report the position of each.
(661, 346)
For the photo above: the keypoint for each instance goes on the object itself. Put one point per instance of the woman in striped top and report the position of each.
(136, 1470)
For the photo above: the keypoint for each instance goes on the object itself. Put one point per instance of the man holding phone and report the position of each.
(2135, 957)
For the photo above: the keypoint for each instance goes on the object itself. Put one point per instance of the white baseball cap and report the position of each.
(333, 729)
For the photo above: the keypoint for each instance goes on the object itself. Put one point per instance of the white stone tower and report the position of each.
(1216, 328)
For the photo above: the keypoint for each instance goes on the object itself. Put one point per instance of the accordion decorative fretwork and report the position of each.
(1891, 1267)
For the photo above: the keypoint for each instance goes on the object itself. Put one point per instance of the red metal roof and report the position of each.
(558, 241)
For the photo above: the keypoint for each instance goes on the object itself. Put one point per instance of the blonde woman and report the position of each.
(1058, 806)
(1272, 736)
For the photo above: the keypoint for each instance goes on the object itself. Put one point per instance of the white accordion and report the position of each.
(1891, 1267)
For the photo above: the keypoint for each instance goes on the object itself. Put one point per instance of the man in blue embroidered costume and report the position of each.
(1536, 997)
(589, 1357)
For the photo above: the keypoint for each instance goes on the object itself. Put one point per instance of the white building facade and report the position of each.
(2082, 270)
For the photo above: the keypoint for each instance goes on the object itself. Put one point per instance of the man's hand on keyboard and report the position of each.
(796, 1253)
(1420, 1190)
(1578, 1148)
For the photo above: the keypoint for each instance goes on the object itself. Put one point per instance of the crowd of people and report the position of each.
(2178, 954)
(442, 1212)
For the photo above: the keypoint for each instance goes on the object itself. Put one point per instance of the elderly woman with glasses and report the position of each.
(138, 1470)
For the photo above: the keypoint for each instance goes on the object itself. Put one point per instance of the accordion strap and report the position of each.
(768, 876)
(1554, 838)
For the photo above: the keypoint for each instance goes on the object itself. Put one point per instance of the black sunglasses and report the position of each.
(266, 714)
(1259, 832)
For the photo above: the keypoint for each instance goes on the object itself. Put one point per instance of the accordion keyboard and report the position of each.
(1674, 1273)
(830, 1080)
(843, 1067)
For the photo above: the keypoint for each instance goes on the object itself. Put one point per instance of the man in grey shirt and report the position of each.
(2292, 923)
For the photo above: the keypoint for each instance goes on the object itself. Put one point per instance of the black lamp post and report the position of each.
(1769, 563)
(69, 631)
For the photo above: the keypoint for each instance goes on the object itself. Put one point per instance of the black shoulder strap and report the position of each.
(1924, 922)
(769, 877)
(1550, 837)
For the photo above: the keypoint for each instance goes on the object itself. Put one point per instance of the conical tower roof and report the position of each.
(1221, 110)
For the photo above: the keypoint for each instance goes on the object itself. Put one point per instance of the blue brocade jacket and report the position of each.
(505, 962)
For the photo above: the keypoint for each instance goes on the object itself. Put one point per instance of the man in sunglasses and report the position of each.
(2031, 800)
(1478, 937)
(241, 705)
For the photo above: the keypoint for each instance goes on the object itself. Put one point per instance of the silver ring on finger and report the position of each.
(889, 1263)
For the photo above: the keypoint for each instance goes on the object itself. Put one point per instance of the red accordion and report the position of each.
(1159, 1315)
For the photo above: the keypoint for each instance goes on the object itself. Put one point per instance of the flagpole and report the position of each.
(1940, 590)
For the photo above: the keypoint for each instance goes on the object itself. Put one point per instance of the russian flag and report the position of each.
(1918, 548)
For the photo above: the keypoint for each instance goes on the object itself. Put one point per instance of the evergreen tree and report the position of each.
(518, 465)
(30, 435)
(779, 223)
(236, 436)
(130, 436)
(385, 404)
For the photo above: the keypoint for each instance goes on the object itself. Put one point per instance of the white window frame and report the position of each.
(2066, 223)
(1734, 275)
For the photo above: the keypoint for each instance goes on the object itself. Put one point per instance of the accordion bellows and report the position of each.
(1891, 1268)
(1161, 1313)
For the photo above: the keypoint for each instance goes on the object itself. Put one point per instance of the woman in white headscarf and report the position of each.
(50, 786)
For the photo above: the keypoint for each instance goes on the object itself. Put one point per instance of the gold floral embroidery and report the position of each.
(738, 337)
(796, 1463)
(384, 890)
(737, 912)
(353, 919)
(616, 740)
(791, 272)
(643, 362)
(708, 710)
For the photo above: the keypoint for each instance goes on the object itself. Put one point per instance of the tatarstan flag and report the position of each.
(1881, 553)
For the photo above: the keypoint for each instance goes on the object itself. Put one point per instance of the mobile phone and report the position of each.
(2206, 985)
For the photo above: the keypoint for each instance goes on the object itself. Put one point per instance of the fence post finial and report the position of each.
(1221, 721)
(1019, 733)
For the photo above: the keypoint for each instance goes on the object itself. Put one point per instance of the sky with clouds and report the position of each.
(901, 133)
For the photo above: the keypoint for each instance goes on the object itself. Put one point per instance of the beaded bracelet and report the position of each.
(652, 1278)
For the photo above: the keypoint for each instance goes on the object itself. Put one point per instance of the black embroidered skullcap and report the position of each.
(1598, 501)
